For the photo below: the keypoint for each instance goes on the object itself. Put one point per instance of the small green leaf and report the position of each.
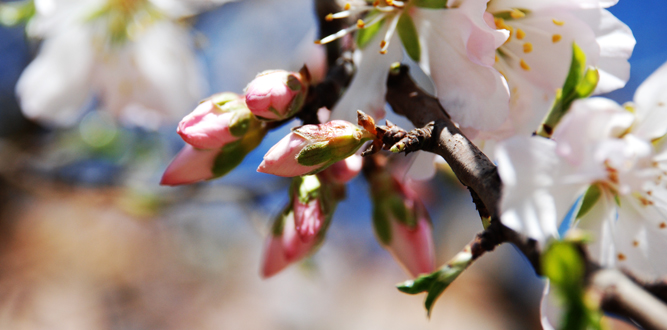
(365, 35)
(591, 196)
(433, 4)
(588, 83)
(436, 282)
(409, 37)
(230, 156)
(564, 266)
(576, 71)
(241, 122)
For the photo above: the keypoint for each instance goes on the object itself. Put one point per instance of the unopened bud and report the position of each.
(216, 122)
(284, 246)
(313, 206)
(277, 95)
(189, 166)
(402, 225)
(309, 149)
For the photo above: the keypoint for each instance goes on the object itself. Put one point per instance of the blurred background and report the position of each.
(89, 240)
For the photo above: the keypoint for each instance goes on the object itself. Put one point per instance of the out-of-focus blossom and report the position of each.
(536, 57)
(605, 152)
(277, 94)
(344, 170)
(216, 122)
(300, 228)
(309, 149)
(131, 56)
(402, 224)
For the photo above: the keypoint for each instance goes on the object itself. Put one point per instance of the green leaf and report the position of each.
(365, 35)
(436, 282)
(564, 266)
(591, 196)
(580, 83)
(408, 34)
(588, 83)
(434, 4)
(17, 12)
(576, 71)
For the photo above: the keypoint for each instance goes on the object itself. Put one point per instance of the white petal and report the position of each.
(588, 122)
(369, 85)
(534, 5)
(472, 92)
(651, 105)
(55, 86)
(616, 44)
(598, 222)
(181, 8)
(550, 313)
(537, 192)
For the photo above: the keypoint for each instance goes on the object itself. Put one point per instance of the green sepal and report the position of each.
(293, 83)
(381, 223)
(408, 33)
(306, 188)
(232, 154)
(17, 12)
(221, 99)
(241, 122)
(433, 4)
(365, 35)
(315, 153)
(588, 83)
(436, 283)
(591, 196)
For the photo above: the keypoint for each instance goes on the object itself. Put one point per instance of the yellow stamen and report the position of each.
(376, 3)
(621, 256)
(329, 17)
(360, 24)
(556, 38)
(497, 58)
(383, 43)
(389, 2)
(520, 34)
(524, 65)
(527, 47)
(347, 6)
(515, 13)
(557, 22)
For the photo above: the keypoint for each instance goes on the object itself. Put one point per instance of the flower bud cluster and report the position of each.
(219, 133)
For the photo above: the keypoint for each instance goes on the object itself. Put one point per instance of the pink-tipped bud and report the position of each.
(190, 165)
(402, 224)
(412, 246)
(216, 122)
(276, 95)
(284, 246)
(309, 149)
(313, 204)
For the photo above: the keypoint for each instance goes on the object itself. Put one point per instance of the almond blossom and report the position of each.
(131, 56)
(612, 156)
(535, 58)
(452, 44)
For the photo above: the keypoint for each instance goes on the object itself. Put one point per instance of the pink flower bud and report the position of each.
(276, 95)
(213, 125)
(311, 148)
(308, 219)
(402, 224)
(189, 166)
(413, 247)
(284, 246)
